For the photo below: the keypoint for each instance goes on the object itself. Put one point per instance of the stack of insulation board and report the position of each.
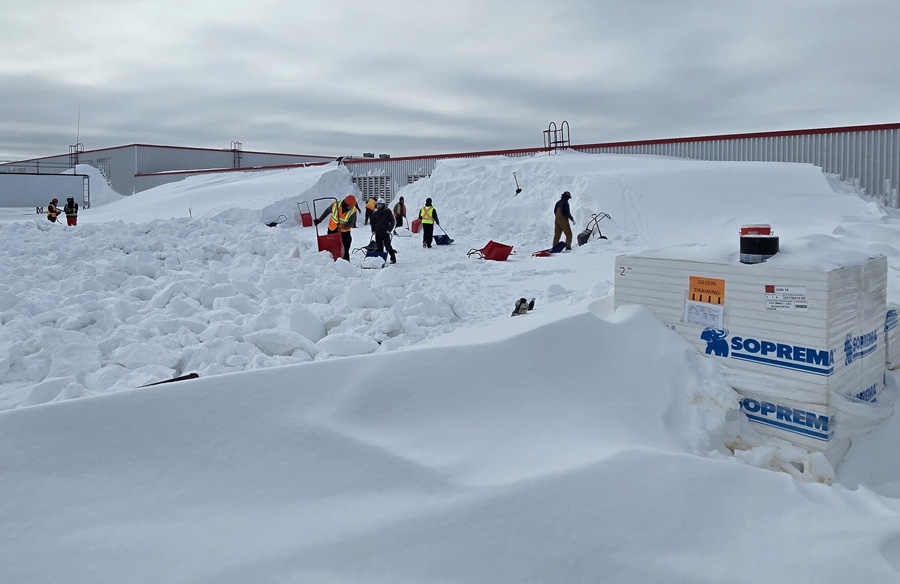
(804, 347)
(892, 337)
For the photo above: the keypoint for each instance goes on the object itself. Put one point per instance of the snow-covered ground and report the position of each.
(396, 425)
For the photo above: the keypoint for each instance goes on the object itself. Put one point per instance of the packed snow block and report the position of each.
(892, 337)
(803, 346)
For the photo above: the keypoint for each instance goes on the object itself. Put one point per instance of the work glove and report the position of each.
(317, 221)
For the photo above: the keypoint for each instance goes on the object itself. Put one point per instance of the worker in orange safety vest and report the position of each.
(342, 218)
(370, 209)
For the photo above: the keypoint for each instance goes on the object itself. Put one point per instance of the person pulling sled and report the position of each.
(382, 226)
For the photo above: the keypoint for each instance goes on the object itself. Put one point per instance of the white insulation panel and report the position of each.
(796, 343)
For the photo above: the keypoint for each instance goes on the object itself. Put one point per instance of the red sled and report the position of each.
(550, 250)
(414, 226)
(330, 242)
(492, 251)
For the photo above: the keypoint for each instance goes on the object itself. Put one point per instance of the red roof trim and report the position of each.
(782, 133)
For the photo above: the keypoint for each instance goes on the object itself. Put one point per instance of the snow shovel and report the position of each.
(305, 216)
(585, 235)
(442, 239)
(518, 190)
(281, 219)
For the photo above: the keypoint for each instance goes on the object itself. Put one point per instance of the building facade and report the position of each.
(868, 156)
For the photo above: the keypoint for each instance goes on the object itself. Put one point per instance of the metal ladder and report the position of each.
(557, 138)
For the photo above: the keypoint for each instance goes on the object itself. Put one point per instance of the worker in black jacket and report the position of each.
(382, 226)
(561, 217)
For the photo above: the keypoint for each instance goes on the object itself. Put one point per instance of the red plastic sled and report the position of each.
(550, 250)
(492, 251)
(414, 226)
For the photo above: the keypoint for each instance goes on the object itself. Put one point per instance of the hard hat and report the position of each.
(350, 200)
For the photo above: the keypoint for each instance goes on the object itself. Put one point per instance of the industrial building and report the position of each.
(869, 156)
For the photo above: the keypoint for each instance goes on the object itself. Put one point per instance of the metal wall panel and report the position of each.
(399, 170)
(36, 190)
(151, 159)
(866, 156)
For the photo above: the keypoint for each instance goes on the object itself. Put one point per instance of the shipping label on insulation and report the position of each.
(703, 313)
(780, 297)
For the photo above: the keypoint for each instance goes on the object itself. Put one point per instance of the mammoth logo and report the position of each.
(715, 341)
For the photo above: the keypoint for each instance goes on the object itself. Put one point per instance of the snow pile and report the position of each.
(652, 200)
(101, 192)
(547, 440)
(221, 292)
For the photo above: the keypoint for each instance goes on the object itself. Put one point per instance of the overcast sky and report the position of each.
(407, 77)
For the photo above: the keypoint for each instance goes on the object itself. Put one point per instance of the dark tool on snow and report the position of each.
(585, 235)
(523, 306)
(518, 190)
(281, 219)
(180, 378)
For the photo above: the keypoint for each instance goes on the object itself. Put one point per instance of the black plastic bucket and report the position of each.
(756, 249)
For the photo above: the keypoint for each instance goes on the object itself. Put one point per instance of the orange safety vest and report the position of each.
(426, 215)
(339, 221)
(370, 204)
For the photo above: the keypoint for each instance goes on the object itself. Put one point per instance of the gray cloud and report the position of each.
(346, 76)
